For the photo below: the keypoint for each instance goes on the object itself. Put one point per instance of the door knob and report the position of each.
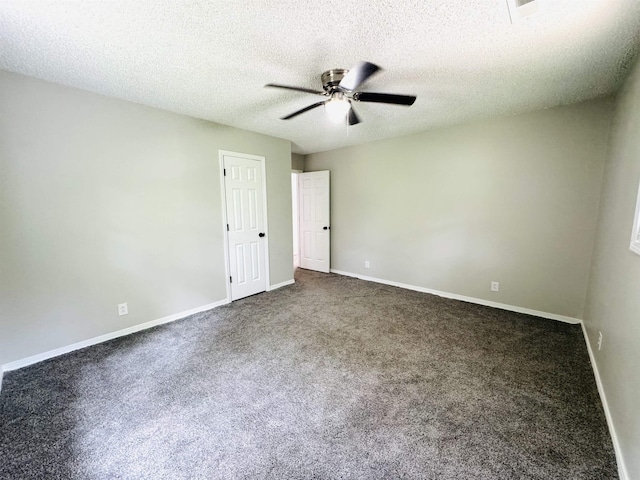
(261, 235)
(325, 228)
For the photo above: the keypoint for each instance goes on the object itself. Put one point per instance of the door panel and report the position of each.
(245, 214)
(314, 221)
(255, 261)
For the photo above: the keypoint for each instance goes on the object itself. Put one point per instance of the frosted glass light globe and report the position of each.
(337, 109)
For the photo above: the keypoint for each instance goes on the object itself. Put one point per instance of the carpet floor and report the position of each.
(329, 378)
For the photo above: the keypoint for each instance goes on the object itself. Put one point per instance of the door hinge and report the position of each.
(224, 172)
(230, 279)
(227, 227)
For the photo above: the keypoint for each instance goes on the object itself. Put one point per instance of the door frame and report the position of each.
(225, 220)
(296, 221)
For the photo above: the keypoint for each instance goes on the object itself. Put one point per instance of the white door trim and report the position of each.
(225, 220)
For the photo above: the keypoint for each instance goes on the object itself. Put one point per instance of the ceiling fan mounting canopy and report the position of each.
(340, 85)
(332, 78)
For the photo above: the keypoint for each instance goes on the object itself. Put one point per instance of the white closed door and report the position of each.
(313, 191)
(244, 190)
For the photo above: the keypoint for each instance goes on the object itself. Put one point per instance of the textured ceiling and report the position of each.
(210, 59)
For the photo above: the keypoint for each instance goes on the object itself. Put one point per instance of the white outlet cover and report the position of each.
(123, 309)
(495, 286)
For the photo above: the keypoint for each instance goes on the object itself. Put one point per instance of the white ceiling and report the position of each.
(210, 59)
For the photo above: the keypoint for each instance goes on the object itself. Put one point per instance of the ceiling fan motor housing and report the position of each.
(341, 87)
(331, 78)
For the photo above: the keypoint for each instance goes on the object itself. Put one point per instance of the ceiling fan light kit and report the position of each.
(340, 86)
(337, 108)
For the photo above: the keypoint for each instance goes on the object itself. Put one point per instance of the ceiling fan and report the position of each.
(340, 86)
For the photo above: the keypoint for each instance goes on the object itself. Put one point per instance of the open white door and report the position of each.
(246, 223)
(314, 221)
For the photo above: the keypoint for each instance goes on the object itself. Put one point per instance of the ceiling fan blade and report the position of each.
(384, 98)
(358, 75)
(297, 89)
(305, 109)
(353, 118)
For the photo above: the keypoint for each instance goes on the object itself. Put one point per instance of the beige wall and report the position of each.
(103, 202)
(297, 162)
(613, 303)
(513, 200)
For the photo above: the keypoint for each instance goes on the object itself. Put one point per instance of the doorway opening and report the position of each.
(313, 239)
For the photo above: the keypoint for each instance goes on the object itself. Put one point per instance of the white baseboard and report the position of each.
(109, 336)
(455, 296)
(1, 375)
(281, 284)
(120, 333)
(622, 469)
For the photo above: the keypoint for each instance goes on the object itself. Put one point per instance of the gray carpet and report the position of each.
(329, 378)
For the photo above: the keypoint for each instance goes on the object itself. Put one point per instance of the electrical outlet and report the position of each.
(495, 286)
(599, 340)
(367, 264)
(123, 309)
